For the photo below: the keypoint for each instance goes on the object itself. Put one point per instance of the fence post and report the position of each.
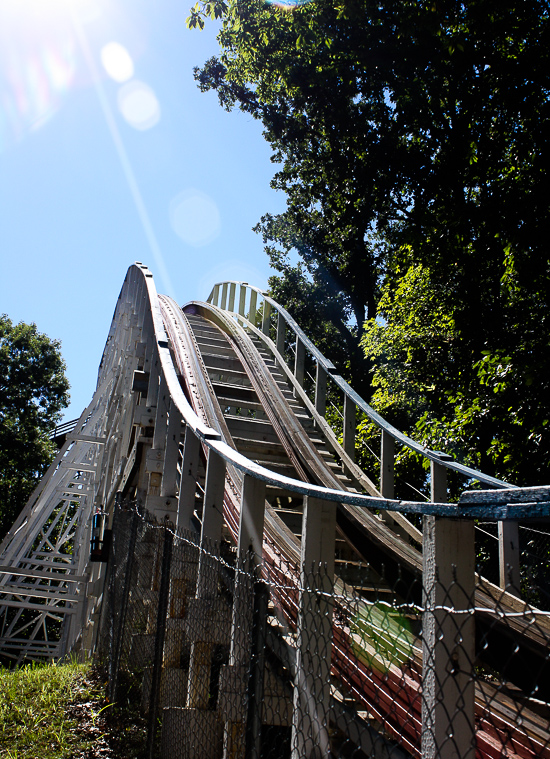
(162, 611)
(207, 578)
(253, 731)
(310, 717)
(233, 680)
(115, 662)
(223, 302)
(448, 639)
(509, 557)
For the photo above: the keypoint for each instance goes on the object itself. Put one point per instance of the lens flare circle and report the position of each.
(117, 62)
(138, 105)
(195, 218)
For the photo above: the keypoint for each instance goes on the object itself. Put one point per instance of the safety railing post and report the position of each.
(300, 361)
(310, 718)
(231, 303)
(215, 295)
(223, 302)
(321, 390)
(242, 299)
(349, 427)
(509, 557)
(266, 318)
(448, 639)
(387, 462)
(252, 307)
(281, 333)
(438, 484)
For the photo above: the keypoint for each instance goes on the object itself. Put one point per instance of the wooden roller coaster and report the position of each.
(211, 404)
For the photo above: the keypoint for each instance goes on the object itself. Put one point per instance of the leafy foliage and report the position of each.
(33, 390)
(412, 140)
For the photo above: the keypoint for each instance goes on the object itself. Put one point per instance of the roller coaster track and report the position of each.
(198, 405)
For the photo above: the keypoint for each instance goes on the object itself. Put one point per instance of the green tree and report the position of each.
(33, 390)
(412, 140)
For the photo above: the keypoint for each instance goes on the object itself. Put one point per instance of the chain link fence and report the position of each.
(229, 659)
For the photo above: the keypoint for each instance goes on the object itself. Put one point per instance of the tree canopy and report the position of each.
(33, 390)
(412, 140)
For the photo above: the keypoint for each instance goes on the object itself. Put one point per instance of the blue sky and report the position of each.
(110, 154)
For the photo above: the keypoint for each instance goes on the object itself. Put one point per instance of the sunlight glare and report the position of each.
(117, 62)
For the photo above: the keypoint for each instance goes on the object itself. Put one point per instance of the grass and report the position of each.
(39, 714)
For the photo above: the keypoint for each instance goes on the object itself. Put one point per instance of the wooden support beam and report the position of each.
(448, 639)
(172, 452)
(223, 302)
(188, 480)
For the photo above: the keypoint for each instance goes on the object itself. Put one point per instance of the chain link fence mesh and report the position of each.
(229, 659)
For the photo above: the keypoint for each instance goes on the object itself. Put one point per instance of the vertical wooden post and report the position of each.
(321, 390)
(448, 639)
(349, 427)
(300, 361)
(231, 304)
(188, 479)
(171, 455)
(310, 717)
(215, 295)
(509, 557)
(281, 331)
(387, 459)
(438, 484)
(251, 527)
(207, 579)
(223, 302)
(252, 307)
(242, 299)
(266, 318)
